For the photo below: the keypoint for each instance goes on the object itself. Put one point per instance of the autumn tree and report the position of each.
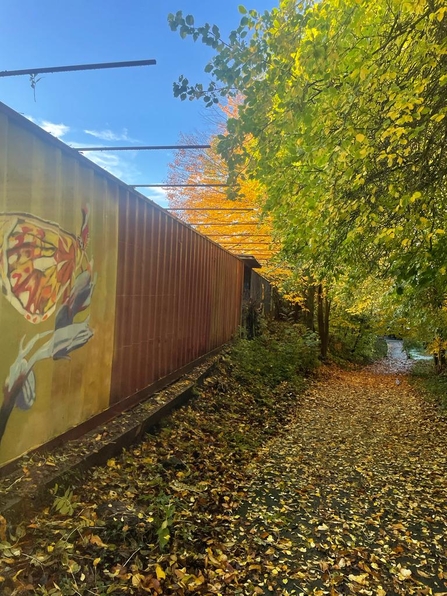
(238, 225)
(345, 102)
(201, 199)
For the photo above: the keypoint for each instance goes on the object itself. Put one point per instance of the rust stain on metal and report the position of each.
(178, 296)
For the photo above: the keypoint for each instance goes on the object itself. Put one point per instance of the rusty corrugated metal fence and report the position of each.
(178, 296)
(106, 296)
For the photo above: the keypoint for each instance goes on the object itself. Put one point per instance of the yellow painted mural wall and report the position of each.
(58, 262)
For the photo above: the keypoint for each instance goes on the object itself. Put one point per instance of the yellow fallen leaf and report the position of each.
(2, 529)
(94, 539)
(404, 573)
(160, 573)
(359, 579)
(398, 527)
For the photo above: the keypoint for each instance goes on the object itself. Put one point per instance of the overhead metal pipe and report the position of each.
(236, 235)
(159, 185)
(230, 223)
(97, 66)
(208, 209)
(144, 148)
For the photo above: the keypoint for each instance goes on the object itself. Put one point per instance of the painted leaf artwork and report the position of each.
(43, 269)
(39, 262)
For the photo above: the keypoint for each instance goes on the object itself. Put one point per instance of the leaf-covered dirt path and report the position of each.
(353, 496)
(340, 490)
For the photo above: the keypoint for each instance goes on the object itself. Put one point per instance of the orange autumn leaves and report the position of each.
(237, 225)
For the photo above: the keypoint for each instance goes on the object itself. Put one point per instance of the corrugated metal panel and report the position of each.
(178, 296)
(163, 295)
(44, 185)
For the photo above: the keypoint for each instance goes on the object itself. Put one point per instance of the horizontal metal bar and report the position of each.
(144, 148)
(231, 223)
(239, 235)
(160, 185)
(98, 66)
(207, 209)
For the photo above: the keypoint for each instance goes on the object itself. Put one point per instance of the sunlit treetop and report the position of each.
(345, 105)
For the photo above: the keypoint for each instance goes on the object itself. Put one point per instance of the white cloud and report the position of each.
(123, 168)
(57, 130)
(120, 166)
(109, 135)
(158, 195)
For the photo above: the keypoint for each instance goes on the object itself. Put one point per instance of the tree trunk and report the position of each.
(309, 305)
(440, 361)
(323, 320)
(357, 339)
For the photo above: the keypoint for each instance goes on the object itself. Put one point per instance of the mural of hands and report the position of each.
(39, 264)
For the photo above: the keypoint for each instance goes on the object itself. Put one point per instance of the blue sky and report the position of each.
(119, 106)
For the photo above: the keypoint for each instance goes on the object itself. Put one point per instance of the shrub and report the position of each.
(354, 340)
(433, 385)
(283, 352)
(412, 345)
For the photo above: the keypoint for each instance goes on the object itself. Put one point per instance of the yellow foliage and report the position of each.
(437, 346)
(238, 225)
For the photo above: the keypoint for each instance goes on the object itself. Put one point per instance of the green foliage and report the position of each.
(357, 320)
(252, 321)
(243, 50)
(65, 503)
(343, 124)
(164, 509)
(380, 349)
(433, 385)
(359, 349)
(283, 352)
(411, 345)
